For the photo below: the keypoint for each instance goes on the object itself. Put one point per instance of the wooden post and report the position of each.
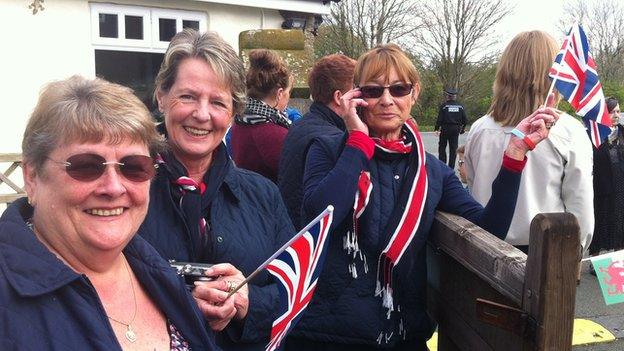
(550, 280)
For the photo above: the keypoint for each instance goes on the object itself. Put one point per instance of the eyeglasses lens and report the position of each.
(396, 90)
(89, 167)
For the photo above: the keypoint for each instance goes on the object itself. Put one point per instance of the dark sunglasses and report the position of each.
(89, 167)
(375, 91)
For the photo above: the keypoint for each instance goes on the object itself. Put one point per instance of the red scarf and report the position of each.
(402, 224)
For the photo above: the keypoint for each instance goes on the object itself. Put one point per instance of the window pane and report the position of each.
(108, 25)
(190, 24)
(134, 27)
(136, 70)
(167, 28)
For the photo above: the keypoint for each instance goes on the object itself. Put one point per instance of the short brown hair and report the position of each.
(267, 72)
(78, 109)
(379, 60)
(521, 81)
(331, 73)
(215, 51)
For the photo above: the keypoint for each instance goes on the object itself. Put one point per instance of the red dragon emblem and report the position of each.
(615, 279)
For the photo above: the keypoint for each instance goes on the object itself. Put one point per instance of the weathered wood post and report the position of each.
(486, 295)
(550, 279)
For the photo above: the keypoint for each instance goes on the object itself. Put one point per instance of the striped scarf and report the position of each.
(403, 224)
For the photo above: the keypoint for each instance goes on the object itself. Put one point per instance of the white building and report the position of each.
(122, 41)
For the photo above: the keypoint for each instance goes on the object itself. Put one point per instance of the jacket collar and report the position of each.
(29, 266)
(328, 114)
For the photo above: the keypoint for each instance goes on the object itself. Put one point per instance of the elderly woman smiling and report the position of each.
(386, 189)
(205, 209)
(73, 275)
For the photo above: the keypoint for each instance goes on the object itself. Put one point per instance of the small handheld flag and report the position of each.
(297, 269)
(610, 273)
(575, 76)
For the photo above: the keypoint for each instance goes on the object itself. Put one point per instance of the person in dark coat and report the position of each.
(330, 77)
(73, 274)
(451, 123)
(609, 187)
(203, 208)
(385, 190)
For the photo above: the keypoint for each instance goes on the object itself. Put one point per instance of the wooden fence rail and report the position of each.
(15, 161)
(488, 295)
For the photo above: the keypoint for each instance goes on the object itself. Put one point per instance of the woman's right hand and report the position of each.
(214, 304)
(349, 103)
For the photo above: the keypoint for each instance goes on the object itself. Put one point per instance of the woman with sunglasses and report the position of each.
(203, 208)
(385, 190)
(73, 274)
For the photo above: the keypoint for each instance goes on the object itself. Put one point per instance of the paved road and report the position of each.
(431, 142)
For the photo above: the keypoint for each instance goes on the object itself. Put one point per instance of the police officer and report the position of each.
(450, 124)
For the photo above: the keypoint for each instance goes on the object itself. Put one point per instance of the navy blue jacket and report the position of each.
(345, 309)
(248, 224)
(321, 120)
(45, 305)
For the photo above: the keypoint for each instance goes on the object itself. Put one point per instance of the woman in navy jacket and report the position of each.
(385, 190)
(205, 209)
(73, 275)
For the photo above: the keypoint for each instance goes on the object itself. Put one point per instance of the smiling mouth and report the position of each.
(197, 132)
(105, 213)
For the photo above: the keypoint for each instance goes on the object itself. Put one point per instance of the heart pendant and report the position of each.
(130, 335)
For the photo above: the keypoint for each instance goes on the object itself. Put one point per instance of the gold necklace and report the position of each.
(130, 334)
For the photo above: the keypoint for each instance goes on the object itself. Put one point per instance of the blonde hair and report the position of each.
(83, 110)
(521, 82)
(215, 51)
(378, 62)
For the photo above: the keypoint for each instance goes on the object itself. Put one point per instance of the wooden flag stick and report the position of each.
(327, 211)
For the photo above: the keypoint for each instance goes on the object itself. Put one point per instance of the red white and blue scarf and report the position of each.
(405, 219)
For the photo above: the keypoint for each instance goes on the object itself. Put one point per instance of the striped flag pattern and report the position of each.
(575, 77)
(298, 269)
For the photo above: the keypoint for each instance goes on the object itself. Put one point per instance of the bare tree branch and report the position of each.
(457, 35)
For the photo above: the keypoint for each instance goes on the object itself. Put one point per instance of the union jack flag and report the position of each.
(575, 76)
(297, 268)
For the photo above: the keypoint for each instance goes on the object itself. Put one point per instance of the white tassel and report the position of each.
(365, 264)
(379, 338)
(388, 337)
(353, 270)
(387, 300)
(378, 289)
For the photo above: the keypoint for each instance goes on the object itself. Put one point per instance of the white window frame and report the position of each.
(151, 38)
(179, 16)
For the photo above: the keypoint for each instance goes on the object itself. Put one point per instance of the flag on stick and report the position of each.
(297, 268)
(575, 77)
(610, 273)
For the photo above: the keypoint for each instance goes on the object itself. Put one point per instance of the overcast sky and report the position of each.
(532, 14)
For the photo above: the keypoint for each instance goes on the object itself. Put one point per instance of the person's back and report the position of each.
(330, 77)
(258, 134)
(558, 173)
(556, 178)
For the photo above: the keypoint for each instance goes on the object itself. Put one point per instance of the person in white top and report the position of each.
(558, 173)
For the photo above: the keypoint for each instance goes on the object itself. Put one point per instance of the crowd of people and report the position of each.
(83, 259)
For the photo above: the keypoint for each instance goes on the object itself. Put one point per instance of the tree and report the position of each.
(457, 36)
(355, 26)
(602, 22)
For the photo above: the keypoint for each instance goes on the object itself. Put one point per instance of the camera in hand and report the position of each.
(191, 272)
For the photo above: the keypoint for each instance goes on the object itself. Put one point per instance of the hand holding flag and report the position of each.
(575, 76)
(297, 266)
